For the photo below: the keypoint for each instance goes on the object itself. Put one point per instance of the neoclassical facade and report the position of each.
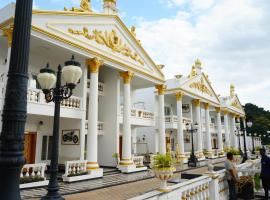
(122, 105)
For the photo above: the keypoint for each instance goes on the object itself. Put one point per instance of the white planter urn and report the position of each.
(164, 175)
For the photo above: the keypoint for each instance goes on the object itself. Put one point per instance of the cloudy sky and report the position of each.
(230, 37)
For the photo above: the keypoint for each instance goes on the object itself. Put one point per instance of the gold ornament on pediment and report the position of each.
(84, 7)
(193, 72)
(235, 104)
(201, 86)
(110, 40)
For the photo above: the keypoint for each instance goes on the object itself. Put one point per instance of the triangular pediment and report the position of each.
(200, 86)
(104, 36)
(236, 105)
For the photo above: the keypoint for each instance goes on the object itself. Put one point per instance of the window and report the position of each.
(46, 151)
(167, 111)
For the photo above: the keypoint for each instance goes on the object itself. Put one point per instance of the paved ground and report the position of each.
(121, 185)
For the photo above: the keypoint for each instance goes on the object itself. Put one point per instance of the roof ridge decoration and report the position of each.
(201, 86)
(110, 40)
(85, 6)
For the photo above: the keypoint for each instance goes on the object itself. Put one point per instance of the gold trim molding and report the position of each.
(127, 76)
(94, 64)
(110, 40)
(201, 86)
(235, 104)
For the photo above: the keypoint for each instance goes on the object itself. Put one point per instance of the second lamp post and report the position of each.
(71, 74)
(192, 161)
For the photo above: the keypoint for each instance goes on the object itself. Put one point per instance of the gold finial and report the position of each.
(133, 31)
(94, 64)
(85, 6)
(161, 89)
(127, 76)
(193, 72)
(198, 63)
(232, 90)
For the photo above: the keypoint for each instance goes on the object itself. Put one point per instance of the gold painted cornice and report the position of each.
(179, 96)
(196, 102)
(8, 32)
(201, 86)
(94, 64)
(161, 89)
(109, 39)
(127, 76)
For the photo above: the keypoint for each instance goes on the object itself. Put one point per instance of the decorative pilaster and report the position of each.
(94, 65)
(126, 145)
(219, 130)
(180, 134)
(197, 105)
(226, 127)
(209, 151)
(161, 119)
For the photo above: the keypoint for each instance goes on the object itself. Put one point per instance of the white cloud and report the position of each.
(231, 39)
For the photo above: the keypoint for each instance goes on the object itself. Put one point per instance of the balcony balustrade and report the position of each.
(140, 113)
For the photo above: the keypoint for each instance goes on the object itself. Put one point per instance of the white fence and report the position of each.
(138, 161)
(210, 186)
(33, 175)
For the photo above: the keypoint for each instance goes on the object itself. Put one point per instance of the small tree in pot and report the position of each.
(163, 168)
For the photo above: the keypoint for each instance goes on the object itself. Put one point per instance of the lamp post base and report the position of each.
(192, 161)
(56, 197)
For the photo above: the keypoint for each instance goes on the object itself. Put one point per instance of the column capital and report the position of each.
(161, 89)
(196, 102)
(127, 76)
(233, 115)
(94, 64)
(179, 96)
(8, 32)
(218, 109)
(225, 111)
(206, 106)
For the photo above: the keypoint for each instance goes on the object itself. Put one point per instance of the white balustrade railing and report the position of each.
(100, 126)
(140, 113)
(75, 168)
(32, 171)
(100, 86)
(33, 95)
(174, 119)
(138, 160)
(72, 102)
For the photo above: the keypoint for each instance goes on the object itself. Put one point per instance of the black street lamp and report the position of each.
(192, 161)
(71, 74)
(238, 134)
(14, 110)
(253, 135)
(249, 125)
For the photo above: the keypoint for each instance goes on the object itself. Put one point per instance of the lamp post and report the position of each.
(14, 110)
(192, 161)
(71, 74)
(253, 143)
(237, 133)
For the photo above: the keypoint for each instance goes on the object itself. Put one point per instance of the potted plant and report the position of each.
(163, 168)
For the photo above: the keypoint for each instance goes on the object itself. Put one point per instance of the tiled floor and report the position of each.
(121, 185)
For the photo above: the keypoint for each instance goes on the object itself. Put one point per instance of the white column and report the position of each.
(156, 141)
(219, 131)
(134, 139)
(161, 119)
(92, 135)
(180, 134)
(226, 127)
(234, 142)
(209, 150)
(197, 105)
(126, 144)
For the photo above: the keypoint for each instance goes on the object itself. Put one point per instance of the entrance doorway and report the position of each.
(30, 147)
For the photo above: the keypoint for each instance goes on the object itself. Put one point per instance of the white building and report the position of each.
(105, 115)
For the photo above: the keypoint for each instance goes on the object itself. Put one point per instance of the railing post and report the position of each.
(214, 183)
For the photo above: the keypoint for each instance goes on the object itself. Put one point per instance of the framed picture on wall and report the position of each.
(185, 108)
(187, 138)
(70, 137)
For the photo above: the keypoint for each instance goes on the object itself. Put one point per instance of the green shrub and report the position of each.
(31, 179)
(257, 181)
(163, 162)
(77, 174)
(232, 150)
